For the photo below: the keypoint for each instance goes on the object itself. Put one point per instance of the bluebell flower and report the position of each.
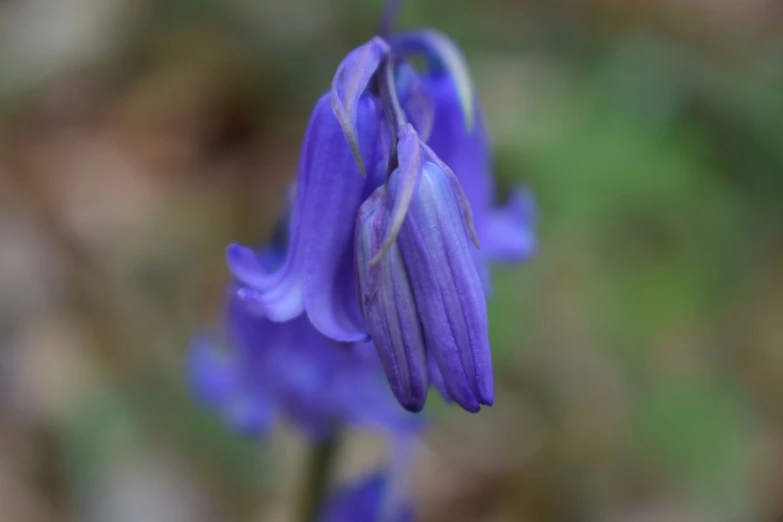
(458, 136)
(271, 369)
(364, 501)
(289, 369)
(419, 287)
(379, 239)
(506, 233)
(317, 275)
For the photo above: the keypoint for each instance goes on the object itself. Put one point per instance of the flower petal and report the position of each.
(509, 232)
(335, 195)
(350, 81)
(363, 501)
(466, 152)
(245, 264)
(436, 378)
(389, 307)
(316, 276)
(416, 99)
(408, 174)
(463, 204)
(447, 288)
(212, 371)
(252, 416)
(445, 55)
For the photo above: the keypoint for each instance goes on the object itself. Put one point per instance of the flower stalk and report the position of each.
(386, 25)
(322, 460)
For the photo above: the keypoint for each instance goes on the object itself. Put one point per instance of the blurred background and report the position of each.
(639, 356)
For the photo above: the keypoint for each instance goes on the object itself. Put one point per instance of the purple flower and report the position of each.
(458, 136)
(419, 287)
(290, 368)
(391, 164)
(317, 275)
(467, 153)
(387, 300)
(365, 501)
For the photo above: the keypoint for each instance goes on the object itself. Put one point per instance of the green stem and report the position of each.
(318, 473)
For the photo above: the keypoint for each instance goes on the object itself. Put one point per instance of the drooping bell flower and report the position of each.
(458, 137)
(364, 501)
(317, 275)
(419, 287)
(419, 300)
(467, 153)
(386, 296)
(290, 369)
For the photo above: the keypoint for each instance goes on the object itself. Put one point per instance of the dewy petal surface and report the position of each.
(316, 276)
(447, 288)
